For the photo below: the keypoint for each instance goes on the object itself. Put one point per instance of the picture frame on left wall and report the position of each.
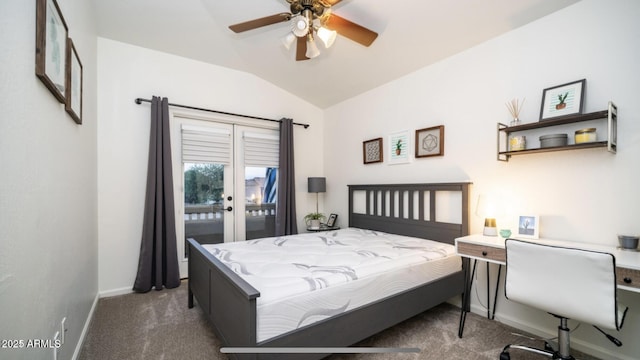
(51, 47)
(73, 103)
(372, 151)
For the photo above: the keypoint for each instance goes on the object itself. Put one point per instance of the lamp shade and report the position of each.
(327, 36)
(489, 207)
(312, 48)
(288, 39)
(300, 26)
(316, 184)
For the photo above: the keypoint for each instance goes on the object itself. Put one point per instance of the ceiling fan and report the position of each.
(311, 18)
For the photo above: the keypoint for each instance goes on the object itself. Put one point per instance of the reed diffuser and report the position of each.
(514, 106)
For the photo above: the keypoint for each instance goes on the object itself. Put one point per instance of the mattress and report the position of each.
(310, 277)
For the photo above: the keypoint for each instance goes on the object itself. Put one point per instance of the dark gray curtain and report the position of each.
(286, 205)
(158, 263)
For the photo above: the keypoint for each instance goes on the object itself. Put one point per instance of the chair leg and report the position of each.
(563, 341)
(504, 355)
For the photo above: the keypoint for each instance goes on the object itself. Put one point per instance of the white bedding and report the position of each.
(308, 277)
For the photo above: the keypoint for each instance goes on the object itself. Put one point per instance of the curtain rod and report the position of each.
(140, 101)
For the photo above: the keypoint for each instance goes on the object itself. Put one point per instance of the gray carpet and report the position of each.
(158, 325)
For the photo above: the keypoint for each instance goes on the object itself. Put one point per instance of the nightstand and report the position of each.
(323, 227)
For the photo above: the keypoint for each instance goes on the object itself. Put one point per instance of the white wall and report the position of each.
(127, 72)
(48, 196)
(586, 195)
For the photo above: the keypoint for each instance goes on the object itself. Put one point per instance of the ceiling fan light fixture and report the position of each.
(300, 26)
(309, 19)
(288, 39)
(327, 36)
(312, 48)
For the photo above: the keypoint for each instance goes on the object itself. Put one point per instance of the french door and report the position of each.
(225, 182)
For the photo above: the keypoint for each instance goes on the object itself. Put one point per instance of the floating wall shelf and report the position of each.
(611, 116)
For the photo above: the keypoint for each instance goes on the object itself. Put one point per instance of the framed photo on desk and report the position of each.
(331, 222)
(528, 226)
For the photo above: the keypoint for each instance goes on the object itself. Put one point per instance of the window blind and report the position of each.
(261, 149)
(201, 144)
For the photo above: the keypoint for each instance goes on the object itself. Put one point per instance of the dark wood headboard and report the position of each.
(410, 209)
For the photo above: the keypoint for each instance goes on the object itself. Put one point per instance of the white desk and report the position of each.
(491, 249)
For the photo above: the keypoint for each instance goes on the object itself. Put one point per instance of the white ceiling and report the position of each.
(412, 35)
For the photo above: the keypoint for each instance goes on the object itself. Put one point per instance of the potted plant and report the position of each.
(561, 104)
(313, 220)
(399, 147)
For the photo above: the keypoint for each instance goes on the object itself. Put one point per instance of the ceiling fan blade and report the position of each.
(351, 30)
(331, 2)
(256, 23)
(301, 49)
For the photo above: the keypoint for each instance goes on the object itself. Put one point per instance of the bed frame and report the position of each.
(229, 302)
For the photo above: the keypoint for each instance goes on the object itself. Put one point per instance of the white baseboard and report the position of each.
(85, 328)
(577, 344)
(116, 292)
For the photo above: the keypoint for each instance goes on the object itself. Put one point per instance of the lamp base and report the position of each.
(490, 231)
(490, 228)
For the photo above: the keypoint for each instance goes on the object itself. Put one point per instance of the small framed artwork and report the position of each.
(372, 151)
(51, 47)
(528, 226)
(430, 142)
(331, 221)
(73, 101)
(399, 147)
(562, 100)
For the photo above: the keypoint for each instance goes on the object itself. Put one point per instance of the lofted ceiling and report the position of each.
(412, 35)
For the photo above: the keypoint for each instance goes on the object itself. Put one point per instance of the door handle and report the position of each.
(229, 208)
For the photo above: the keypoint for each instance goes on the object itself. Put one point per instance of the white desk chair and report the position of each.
(568, 283)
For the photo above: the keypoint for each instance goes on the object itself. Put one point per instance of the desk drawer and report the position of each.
(628, 277)
(483, 252)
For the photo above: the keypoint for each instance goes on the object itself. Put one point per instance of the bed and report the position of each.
(438, 212)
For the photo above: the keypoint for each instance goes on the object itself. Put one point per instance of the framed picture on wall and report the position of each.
(430, 142)
(372, 151)
(51, 47)
(399, 147)
(562, 100)
(528, 226)
(73, 101)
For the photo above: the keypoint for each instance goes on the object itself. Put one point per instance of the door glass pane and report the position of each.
(203, 202)
(260, 203)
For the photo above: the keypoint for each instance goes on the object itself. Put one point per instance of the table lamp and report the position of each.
(316, 185)
(488, 208)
